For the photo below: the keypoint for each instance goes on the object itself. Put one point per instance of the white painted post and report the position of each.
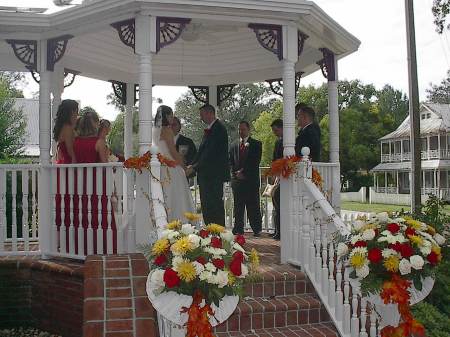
(333, 130)
(213, 98)
(145, 47)
(80, 232)
(25, 227)
(44, 149)
(290, 57)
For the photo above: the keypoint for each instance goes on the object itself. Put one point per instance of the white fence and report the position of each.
(359, 196)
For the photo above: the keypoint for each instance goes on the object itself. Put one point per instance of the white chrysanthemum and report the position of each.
(440, 240)
(358, 224)
(389, 238)
(205, 242)
(388, 252)
(416, 262)
(342, 249)
(227, 236)
(157, 278)
(363, 271)
(244, 270)
(217, 252)
(199, 268)
(195, 240)
(166, 232)
(187, 229)
(425, 250)
(426, 235)
(359, 250)
(176, 262)
(404, 267)
(356, 238)
(368, 234)
(205, 275)
(212, 279)
(222, 278)
(238, 247)
(210, 267)
(382, 217)
(173, 236)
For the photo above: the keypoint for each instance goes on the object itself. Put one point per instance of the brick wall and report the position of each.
(43, 294)
(115, 299)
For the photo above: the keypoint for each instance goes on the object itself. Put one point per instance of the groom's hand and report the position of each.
(189, 171)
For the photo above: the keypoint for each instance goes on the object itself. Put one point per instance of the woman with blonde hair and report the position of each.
(89, 147)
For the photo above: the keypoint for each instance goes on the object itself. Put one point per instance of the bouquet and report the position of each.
(388, 256)
(207, 265)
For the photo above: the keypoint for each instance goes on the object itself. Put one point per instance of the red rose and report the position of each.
(201, 260)
(238, 256)
(393, 228)
(160, 260)
(374, 255)
(236, 267)
(396, 246)
(410, 231)
(406, 250)
(433, 258)
(203, 233)
(216, 242)
(239, 239)
(360, 244)
(171, 278)
(218, 263)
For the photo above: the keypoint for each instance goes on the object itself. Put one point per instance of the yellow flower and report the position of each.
(414, 224)
(192, 216)
(431, 230)
(186, 271)
(182, 246)
(215, 228)
(160, 246)
(436, 249)
(368, 226)
(231, 278)
(254, 258)
(357, 260)
(417, 240)
(391, 263)
(176, 224)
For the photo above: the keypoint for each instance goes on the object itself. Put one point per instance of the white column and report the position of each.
(439, 145)
(128, 122)
(290, 57)
(333, 129)
(401, 150)
(213, 97)
(45, 202)
(57, 88)
(144, 48)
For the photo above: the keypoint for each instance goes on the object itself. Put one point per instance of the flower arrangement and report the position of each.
(389, 256)
(141, 162)
(207, 264)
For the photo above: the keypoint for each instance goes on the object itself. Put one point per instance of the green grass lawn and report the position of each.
(376, 208)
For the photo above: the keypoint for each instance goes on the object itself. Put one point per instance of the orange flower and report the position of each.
(284, 166)
(139, 163)
(166, 161)
(198, 321)
(317, 178)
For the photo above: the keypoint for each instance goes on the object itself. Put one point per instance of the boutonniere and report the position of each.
(206, 132)
(247, 144)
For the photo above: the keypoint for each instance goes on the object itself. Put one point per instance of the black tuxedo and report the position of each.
(246, 158)
(278, 149)
(309, 136)
(189, 149)
(211, 165)
(277, 154)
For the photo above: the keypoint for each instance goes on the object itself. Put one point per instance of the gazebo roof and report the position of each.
(218, 47)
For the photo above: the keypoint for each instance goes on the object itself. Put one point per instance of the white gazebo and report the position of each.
(208, 45)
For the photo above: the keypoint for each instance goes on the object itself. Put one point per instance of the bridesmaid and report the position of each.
(64, 131)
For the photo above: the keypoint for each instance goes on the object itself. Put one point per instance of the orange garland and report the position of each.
(139, 163)
(198, 321)
(284, 166)
(396, 291)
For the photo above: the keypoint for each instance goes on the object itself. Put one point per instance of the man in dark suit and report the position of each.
(184, 145)
(245, 157)
(277, 129)
(309, 134)
(211, 166)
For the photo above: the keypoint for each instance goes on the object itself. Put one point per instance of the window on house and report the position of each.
(428, 115)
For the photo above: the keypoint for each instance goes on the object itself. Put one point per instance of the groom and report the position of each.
(211, 165)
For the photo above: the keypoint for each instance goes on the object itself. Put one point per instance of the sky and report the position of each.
(381, 59)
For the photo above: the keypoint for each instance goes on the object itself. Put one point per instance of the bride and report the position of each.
(177, 195)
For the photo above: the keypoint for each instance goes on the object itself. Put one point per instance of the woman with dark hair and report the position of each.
(177, 195)
(63, 131)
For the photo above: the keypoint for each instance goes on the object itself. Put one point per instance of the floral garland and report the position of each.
(285, 167)
(207, 264)
(143, 162)
(388, 256)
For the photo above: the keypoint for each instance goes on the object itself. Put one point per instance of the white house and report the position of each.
(392, 175)
(30, 108)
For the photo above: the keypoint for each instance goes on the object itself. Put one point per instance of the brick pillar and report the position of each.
(115, 300)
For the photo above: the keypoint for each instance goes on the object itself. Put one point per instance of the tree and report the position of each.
(246, 103)
(86, 110)
(116, 136)
(12, 122)
(12, 80)
(263, 132)
(440, 93)
(440, 9)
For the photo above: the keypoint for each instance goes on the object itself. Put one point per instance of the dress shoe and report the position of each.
(257, 235)
(276, 237)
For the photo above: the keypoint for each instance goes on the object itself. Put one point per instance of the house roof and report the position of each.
(439, 121)
(30, 108)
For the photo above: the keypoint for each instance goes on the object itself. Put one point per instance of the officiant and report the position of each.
(184, 145)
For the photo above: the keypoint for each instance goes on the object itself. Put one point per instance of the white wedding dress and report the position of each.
(177, 194)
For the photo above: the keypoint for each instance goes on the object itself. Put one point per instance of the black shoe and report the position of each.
(257, 235)
(273, 234)
(276, 237)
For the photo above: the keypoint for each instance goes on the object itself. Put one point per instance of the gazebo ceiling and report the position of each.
(216, 47)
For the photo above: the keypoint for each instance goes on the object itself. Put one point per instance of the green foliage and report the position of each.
(87, 109)
(263, 132)
(440, 93)
(116, 136)
(12, 122)
(440, 9)
(13, 80)
(437, 324)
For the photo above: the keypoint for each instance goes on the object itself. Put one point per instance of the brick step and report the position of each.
(279, 280)
(280, 311)
(307, 330)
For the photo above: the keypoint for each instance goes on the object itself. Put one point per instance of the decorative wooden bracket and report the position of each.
(327, 64)
(126, 31)
(169, 29)
(26, 52)
(302, 37)
(276, 85)
(269, 37)
(201, 93)
(224, 92)
(56, 48)
(120, 90)
(69, 76)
